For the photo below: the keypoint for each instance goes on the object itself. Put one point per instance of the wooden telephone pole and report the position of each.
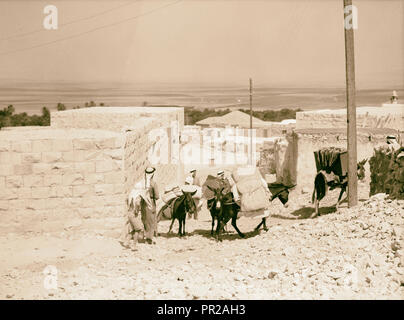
(351, 110)
(251, 135)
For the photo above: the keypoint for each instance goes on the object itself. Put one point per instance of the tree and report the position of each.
(61, 107)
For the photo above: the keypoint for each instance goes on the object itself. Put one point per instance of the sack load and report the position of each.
(214, 183)
(171, 193)
(255, 200)
(252, 188)
(261, 213)
(193, 188)
(165, 210)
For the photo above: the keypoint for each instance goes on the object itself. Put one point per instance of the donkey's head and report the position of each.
(189, 202)
(361, 169)
(218, 196)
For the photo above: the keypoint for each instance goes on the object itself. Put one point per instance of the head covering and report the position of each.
(220, 173)
(192, 171)
(150, 170)
(395, 93)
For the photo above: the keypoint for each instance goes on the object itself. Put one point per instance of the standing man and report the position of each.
(149, 214)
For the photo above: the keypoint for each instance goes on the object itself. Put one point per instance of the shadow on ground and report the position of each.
(232, 235)
(306, 212)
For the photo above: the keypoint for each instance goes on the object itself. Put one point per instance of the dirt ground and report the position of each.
(349, 254)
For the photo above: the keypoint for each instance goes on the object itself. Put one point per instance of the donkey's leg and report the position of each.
(259, 225)
(218, 229)
(316, 205)
(343, 189)
(179, 227)
(183, 226)
(171, 225)
(262, 223)
(234, 224)
(264, 220)
(213, 223)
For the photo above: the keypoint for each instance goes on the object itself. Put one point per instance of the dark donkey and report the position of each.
(321, 185)
(183, 204)
(222, 208)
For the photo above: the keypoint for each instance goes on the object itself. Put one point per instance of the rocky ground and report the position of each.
(352, 253)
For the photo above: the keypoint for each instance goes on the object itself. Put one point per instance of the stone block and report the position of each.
(40, 192)
(6, 169)
(119, 188)
(14, 182)
(72, 179)
(33, 181)
(73, 156)
(60, 168)
(114, 177)
(115, 154)
(106, 166)
(23, 169)
(62, 145)
(63, 191)
(4, 205)
(83, 190)
(10, 158)
(24, 193)
(42, 145)
(51, 156)
(93, 178)
(21, 146)
(84, 144)
(104, 189)
(35, 204)
(5, 146)
(18, 204)
(107, 143)
(84, 167)
(52, 180)
(93, 154)
(41, 168)
(9, 194)
(33, 157)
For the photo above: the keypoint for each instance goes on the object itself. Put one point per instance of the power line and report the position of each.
(91, 30)
(68, 23)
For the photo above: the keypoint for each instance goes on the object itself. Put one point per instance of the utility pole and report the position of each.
(351, 108)
(251, 135)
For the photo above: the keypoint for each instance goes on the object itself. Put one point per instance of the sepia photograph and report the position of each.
(221, 150)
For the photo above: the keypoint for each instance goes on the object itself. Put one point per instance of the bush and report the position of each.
(387, 172)
(9, 119)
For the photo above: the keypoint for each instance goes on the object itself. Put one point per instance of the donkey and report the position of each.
(223, 208)
(183, 204)
(321, 184)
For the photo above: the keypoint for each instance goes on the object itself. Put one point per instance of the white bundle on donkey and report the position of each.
(253, 190)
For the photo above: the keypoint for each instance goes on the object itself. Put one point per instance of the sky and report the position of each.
(295, 43)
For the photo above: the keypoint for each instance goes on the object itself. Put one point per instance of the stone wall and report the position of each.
(153, 138)
(391, 117)
(301, 144)
(74, 171)
(71, 172)
(115, 118)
